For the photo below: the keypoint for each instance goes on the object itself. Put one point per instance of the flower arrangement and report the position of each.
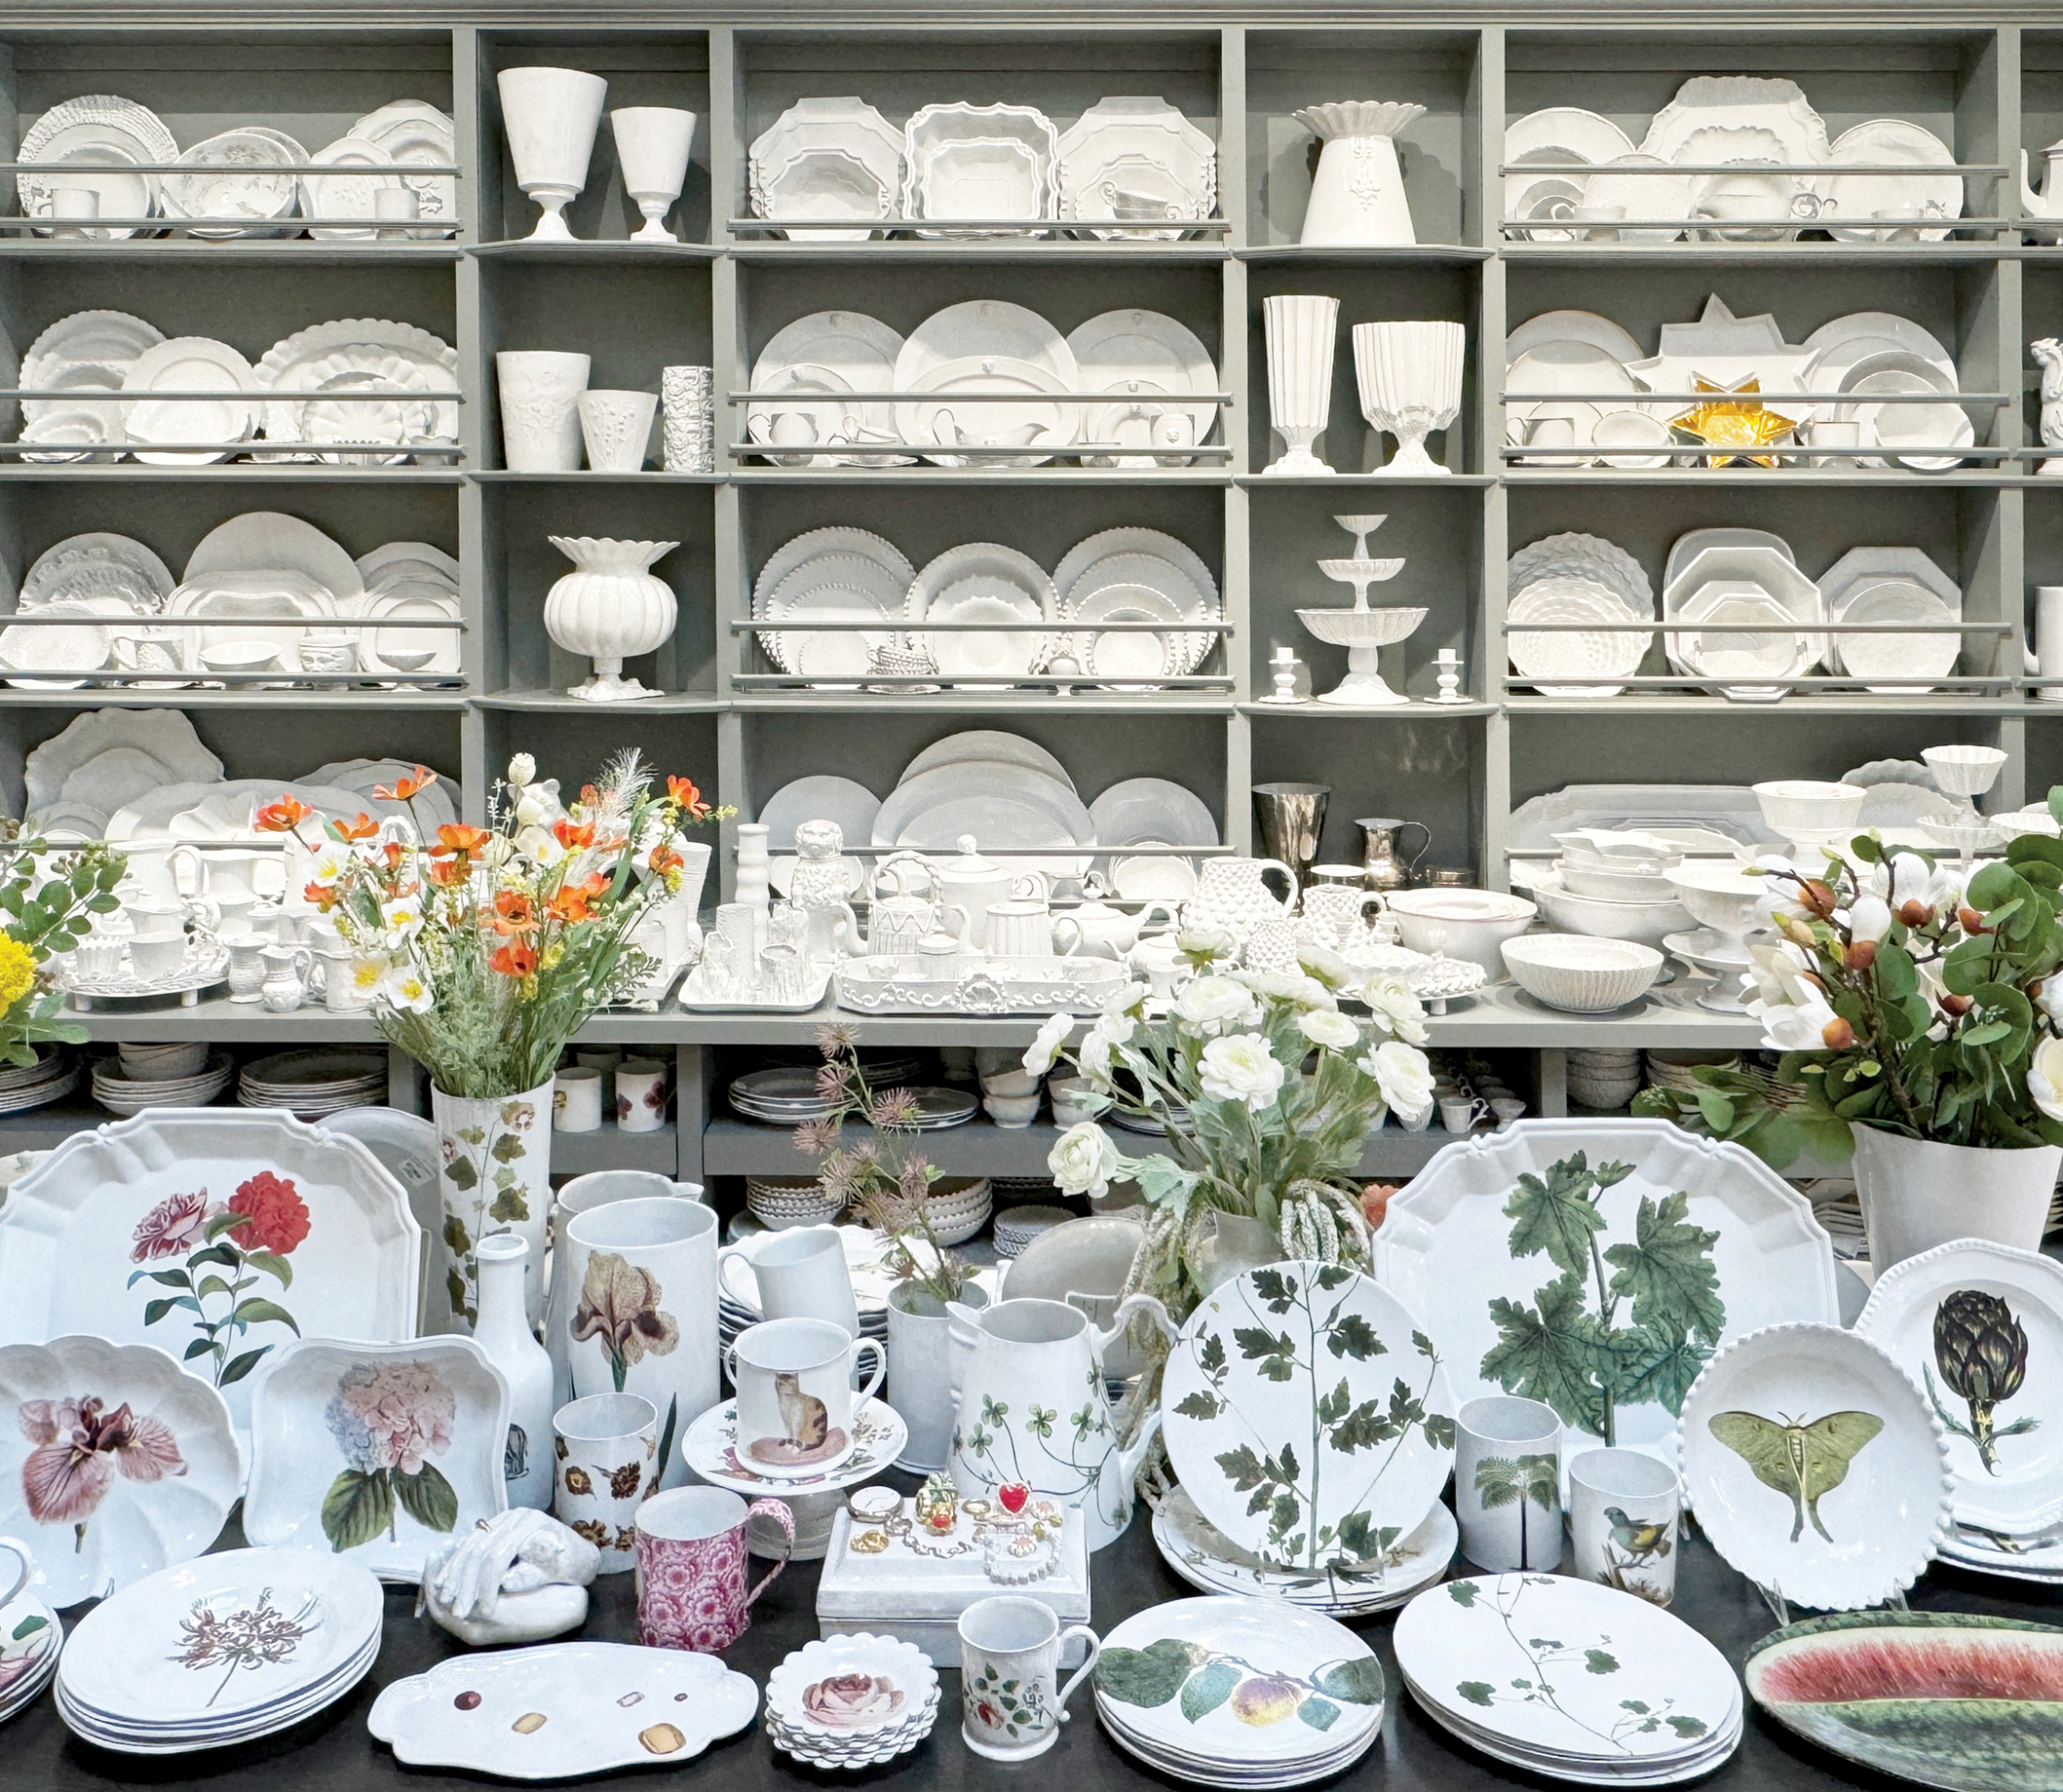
(1901, 998)
(389, 1419)
(47, 899)
(1267, 1092)
(485, 949)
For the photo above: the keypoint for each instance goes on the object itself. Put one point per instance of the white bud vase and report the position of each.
(610, 607)
(1357, 197)
(1301, 328)
(504, 1333)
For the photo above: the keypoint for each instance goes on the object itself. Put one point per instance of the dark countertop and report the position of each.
(333, 1752)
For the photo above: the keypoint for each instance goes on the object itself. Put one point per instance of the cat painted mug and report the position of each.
(691, 1571)
(795, 1398)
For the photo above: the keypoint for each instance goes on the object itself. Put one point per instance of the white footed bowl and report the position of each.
(1799, 806)
(1580, 974)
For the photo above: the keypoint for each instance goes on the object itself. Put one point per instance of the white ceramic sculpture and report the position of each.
(2048, 352)
(1301, 328)
(1410, 378)
(611, 607)
(517, 1577)
(652, 143)
(1357, 196)
(549, 116)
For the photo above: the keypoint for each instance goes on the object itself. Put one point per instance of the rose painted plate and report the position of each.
(1980, 1327)
(114, 1463)
(216, 1234)
(376, 1453)
(840, 1689)
(711, 1449)
(564, 1710)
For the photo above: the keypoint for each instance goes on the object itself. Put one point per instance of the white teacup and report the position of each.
(802, 1275)
(1012, 1704)
(159, 956)
(795, 1398)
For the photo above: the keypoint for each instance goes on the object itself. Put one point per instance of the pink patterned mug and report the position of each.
(691, 1578)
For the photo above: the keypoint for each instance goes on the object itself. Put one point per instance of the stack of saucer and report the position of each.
(777, 1202)
(852, 1701)
(219, 1650)
(1018, 1227)
(958, 1208)
(50, 1078)
(315, 1082)
(133, 1083)
(1675, 1069)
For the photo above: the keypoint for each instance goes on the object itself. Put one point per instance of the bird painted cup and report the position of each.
(691, 1573)
(1622, 1512)
(1507, 1483)
(795, 1398)
(605, 1461)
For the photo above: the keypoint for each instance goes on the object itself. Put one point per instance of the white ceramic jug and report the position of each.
(1032, 1409)
(1234, 893)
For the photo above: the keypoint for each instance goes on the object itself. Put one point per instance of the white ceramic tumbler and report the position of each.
(1507, 1483)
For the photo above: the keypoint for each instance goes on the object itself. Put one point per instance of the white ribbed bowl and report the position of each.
(1580, 974)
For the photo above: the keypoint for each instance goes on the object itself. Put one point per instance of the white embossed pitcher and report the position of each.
(1234, 893)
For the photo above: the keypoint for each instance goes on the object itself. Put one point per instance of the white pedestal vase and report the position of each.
(549, 117)
(1301, 328)
(920, 1379)
(1357, 197)
(493, 1175)
(651, 145)
(505, 1334)
(1410, 380)
(1917, 1193)
(611, 607)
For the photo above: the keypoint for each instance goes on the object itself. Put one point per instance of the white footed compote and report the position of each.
(611, 607)
(651, 145)
(1410, 379)
(549, 116)
(1300, 329)
(1965, 773)
(1363, 631)
(1357, 197)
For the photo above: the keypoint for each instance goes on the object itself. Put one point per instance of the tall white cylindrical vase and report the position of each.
(505, 1334)
(2049, 635)
(1357, 197)
(1301, 328)
(540, 397)
(920, 1372)
(494, 1175)
(1410, 380)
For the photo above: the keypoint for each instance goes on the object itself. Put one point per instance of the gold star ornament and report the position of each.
(1733, 424)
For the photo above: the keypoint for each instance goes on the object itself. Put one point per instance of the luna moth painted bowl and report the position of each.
(1940, 1698)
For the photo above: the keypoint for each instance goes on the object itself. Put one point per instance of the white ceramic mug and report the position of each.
(579, 1194)
(1507, 1483)
(576, 1099)
(1012, 1704)
(159, 956)
(640, 1095)
(1622, 1512)
(157, 920)
(605, 1449)
(1461, 1113)
(795, 1398)
(802, 1275)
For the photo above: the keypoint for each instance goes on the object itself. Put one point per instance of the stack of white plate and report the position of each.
(219, 1650)
(778, 1203)
(1018, 1227)
(1638, 1697)
(1257, 1694)
(1603, 1076)
(35, 1657)
(958, 1208)
(1677, 1069)
(131, 1093)
(783, 1096)
(316, 1082)
(53, 1077)
(1016, 1191)
(852, 1701)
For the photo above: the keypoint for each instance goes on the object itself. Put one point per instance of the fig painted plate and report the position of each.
(1939, 1699)
(565, 1710)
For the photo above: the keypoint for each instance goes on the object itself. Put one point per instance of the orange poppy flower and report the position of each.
(513, 913)
(322, 896)
(393, 854)
(575, 901)
(282, 817)
(406, 787)
(665, 858)
(683, 791)
(572, 834)
(457, 837)
(515, 960)
(364, 828)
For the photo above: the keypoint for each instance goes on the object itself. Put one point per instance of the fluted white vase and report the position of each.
(1301, 328)
(1410, 379)
(549, 117)
(1357, 196)
(611, 607)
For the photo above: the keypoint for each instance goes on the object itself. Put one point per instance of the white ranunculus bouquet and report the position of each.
(1268, 1091)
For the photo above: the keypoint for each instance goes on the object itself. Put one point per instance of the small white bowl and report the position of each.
(1613, 886)
(1463, 924)
(1799, 806)
(1721, 896)
(1012, 1112)
(1569, 913)
(1010, 1082)
(1073, 1102)
(1582, 974)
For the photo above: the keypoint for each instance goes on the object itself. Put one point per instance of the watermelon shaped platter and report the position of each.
(1941, 1698)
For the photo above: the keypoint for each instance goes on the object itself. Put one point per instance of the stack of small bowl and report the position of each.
(185, 1074)
(1604, 1077)
(1611, 885)
(958, 1208)
(1010, 1095)
(1018, 1227)
(778, 1203)
(852, 1701)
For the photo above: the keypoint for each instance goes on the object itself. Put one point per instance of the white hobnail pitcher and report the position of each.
(1033, 1410)
(1234, 893)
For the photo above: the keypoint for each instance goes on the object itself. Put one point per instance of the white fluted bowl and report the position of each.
(1582, 974)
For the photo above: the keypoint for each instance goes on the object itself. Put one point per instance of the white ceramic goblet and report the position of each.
(1410, 378)
(652, 143)
(549, 116)
(1301, 328)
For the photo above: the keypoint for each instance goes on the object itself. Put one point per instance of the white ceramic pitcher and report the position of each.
(1032, 1409)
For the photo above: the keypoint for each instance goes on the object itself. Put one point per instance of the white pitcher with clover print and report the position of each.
(1033, 1414)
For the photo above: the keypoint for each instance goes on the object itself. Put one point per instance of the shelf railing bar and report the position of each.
(1770, 400)
(1677, 626)
(974, 681)
(266, 395)
(915, 626)
(1162, 399)
(63, 453)
(1024, 226)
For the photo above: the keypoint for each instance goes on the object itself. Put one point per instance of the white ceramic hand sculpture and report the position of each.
(517, 1577)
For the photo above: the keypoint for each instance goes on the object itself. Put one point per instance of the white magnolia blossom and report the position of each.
(1327, 1026)
(1906, 877)
(1869, 917)
(1795, 1026)
(1206, 1006)
(522, 770)
(2050, 1000)
(1777, 973)
(1083, 1161)
(1394, 1008)
(1402, 1072)
(1240, 1068)
(1038, 1055)
(2044, 1077)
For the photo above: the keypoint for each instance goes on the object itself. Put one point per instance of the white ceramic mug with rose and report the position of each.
(795, 1397)
(1012, 1704)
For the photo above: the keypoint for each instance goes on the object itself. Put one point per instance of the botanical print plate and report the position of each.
(1229, 1680)
(711, 1449)
(563, 1710)
(214, 1234)
(1201, 1554)
(222, 1635)
(1565, 1668)
(1308, 1415)
(1517, 1248)
(114, 1463)
(1815, 1468)
(376, 1452)
(1941, 1698)
(1980, 1327)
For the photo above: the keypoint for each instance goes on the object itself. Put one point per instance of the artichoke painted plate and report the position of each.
(1308, 1415)
(1980, 1327)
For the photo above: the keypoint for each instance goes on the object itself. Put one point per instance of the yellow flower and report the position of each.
(18, 970)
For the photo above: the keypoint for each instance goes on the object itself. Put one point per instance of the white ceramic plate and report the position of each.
(1921, 655)
(98, 565)
(1890, 142)
(1542, 657)
(114, 1463)
(982, 570)
(376, 1453)
(411, 131)
(863, 148)
(984, 327)
(1022, 808)
(1210, 1562)
(191, 365)
(97, 128)
(600, 1706)
(819, 797)
(960, 407)
(166, 736)
(1929, 1312)
(1737, 102)
(1152, 358)
(1658, 194)
(846, 346)
(263, 541)
(1828, 342)
(1136, 810)
(1571, 326)
(244, 173)
(1445, 1247)
(989, 743)
(1589, 556)
(834, 588)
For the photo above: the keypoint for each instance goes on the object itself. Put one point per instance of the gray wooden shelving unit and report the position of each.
(1988, 80)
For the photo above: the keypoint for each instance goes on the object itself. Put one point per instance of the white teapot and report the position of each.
(1107, 931)
(972, 882)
